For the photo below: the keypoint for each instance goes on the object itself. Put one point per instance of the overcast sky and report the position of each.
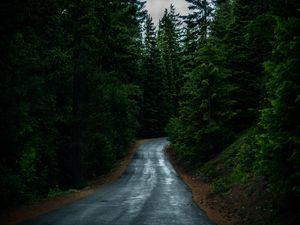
(156, 8)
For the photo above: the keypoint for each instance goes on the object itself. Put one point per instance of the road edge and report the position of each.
(214, 207)
(31, 210)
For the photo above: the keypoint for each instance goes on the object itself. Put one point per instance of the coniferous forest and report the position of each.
(81, 80)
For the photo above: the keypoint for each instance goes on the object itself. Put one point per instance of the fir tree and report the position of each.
(169, 47)
(153, 114)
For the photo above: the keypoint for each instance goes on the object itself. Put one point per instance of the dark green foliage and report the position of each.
(32, 64)
(152, 106)
(242, 73)
(111, 123)
(249, 45)
(68, 103)
(272, 151)
(278, 139)
(78, 79)
(199, 18)
(161, 73)
(204, 108)
(168, 44)
(203, 127)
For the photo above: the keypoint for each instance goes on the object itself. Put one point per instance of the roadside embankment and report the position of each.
(215, 207)
(226, 198)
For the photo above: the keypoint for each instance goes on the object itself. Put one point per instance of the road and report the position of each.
(149, 193)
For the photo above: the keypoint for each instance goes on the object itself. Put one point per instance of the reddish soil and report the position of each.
(31, 210)
(216, 208)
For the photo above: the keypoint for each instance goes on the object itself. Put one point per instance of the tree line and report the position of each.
(69, 92)
(240, 69)
(79, 82)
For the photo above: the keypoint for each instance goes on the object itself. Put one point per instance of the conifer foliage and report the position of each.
(242, 73)
(81, 79)
(169, 47)
(68, 93)
(153, 118)
(278, 139)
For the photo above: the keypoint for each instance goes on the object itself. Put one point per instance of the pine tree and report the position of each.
(278, 155)
(68, 102)
(203, 127)
(153, 114)
(200, 17)
(250, 35)
(169, 47)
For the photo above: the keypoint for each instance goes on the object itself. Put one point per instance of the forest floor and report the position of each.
(34, 209)
(218, 209)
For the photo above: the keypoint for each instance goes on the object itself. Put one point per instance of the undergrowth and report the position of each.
(232, 176)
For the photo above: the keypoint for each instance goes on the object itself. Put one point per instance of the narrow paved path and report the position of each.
(149, 193)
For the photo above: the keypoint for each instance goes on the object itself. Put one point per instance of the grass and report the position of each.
(56, 192)
(240, 189)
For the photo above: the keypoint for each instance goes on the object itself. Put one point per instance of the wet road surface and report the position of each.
(149, 193)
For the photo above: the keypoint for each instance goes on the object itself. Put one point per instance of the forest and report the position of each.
(82, 80)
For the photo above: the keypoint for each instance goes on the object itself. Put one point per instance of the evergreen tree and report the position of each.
(68, 103)
(200, 17)
(250, 35)
(153, 115)
(203, 127)
(278, 155)
(169, 47)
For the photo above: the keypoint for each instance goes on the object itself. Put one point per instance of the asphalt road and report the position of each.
(149, 193)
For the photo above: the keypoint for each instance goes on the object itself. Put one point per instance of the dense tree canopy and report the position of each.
(81, 80)
(68, 91)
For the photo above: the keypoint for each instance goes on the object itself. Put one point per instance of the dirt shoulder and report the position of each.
(31, 210)
(216, 208)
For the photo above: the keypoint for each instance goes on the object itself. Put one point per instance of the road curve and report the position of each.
(149, 193)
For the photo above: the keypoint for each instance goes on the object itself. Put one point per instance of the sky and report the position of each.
(156, 8)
